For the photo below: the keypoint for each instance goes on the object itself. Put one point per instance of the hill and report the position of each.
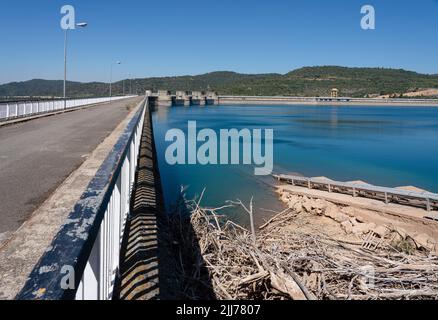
(308, 81)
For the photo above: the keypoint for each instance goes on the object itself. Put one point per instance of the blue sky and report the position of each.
(158, 38)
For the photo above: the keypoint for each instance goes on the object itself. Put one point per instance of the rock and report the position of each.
(396, 238)
(423, 241)
(347, 226)
(284, 197)
(362, 228)
(353, 221)
(318, 204)
(352, 212)
(297, 207)
(333, 212)
(381, 231)
(307, 205)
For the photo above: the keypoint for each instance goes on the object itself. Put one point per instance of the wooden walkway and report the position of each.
(425, 199)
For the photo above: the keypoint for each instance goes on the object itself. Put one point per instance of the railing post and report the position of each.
(132, 166)
(116, 224)
(89, 286)
(103, 257)
(125, 195)
(7, 111)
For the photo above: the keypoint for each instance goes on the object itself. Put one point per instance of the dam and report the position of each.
(193, 98)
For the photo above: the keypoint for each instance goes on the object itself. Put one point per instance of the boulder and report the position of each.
(333, 212)
(297, 207)
(423, 241)
(362, 228)
(347, 226)
(381, 231)
(307, 205)
(284, 198)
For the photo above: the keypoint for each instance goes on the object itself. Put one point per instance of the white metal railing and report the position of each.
(11, 110)
(100, 273)
(353, 188)
(90, 242)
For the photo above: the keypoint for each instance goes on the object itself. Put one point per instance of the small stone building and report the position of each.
(335, 93)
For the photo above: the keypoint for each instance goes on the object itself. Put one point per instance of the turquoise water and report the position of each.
(387, 146)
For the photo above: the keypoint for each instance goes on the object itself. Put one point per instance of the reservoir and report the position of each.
(385, 146)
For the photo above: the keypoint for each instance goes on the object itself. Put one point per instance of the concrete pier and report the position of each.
(212, 98)
(164, 98)
(181, 99)
(198, 98)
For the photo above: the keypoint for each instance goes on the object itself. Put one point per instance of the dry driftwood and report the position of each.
(273, 264)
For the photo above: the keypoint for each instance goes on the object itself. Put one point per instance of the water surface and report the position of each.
(387, 146)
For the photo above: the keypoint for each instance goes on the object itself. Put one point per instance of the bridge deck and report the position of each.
(36, 156)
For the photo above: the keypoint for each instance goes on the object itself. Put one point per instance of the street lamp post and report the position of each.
(111, 78)
(130, 85)
(81, 25)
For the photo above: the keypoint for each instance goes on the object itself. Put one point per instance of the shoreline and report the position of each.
(325, 101)
(313, 250)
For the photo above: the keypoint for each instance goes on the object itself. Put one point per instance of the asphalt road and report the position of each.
(37, 156)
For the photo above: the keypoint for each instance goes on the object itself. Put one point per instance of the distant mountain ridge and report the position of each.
(307, 81)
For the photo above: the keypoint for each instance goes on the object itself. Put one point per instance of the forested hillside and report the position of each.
(308, 81)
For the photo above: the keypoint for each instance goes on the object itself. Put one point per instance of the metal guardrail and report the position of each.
(12, 110)
(387, 194)
(88, 244)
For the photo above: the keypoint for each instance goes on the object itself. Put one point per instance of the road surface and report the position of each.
(37, 156)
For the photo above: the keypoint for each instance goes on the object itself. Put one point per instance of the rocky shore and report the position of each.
(352, 225)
